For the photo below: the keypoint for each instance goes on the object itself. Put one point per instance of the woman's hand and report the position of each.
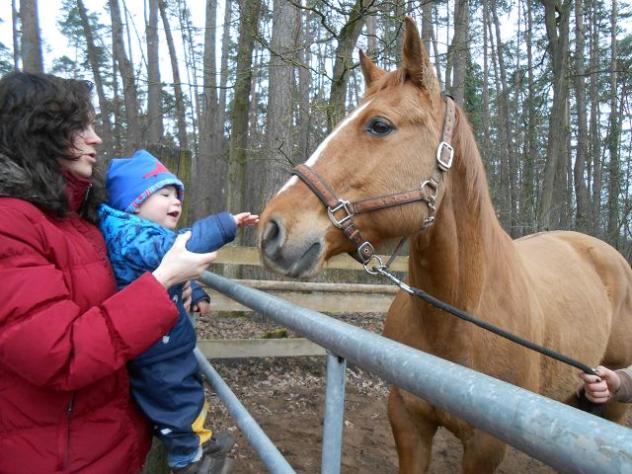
(179, 265)
(601, 387)
(187, 295)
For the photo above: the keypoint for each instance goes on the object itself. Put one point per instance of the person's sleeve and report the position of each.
(624, 394)
(46, 339)
(198, 294)
(211, 233)
(143, 247)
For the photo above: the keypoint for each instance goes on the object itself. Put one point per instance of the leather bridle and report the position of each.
(342, 211)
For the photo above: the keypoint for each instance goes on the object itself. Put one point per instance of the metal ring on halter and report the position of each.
(373, 270)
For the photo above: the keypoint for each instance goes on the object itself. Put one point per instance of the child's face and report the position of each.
(163, 207)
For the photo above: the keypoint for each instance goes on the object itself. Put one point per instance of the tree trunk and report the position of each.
(529, 187)
(249, 17)
(507, 167)
(595, 120)
(581, 191)
(347, 39)
(183, 141)
(613, 137)
(210, 173)
(557, 24)
(104, 104)
(155, 129)
(32, 60)
(371, 35)
(191, 65)
(223, 81)
(485, 114)
(134, 129)
(304, 38)
(426, 23)
(279, 145)
(459, 49)
(117, 112)
(16, 37)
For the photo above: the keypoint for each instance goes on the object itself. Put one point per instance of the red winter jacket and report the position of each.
(65, 336)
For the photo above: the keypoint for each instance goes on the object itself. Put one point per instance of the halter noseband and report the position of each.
(341, 211)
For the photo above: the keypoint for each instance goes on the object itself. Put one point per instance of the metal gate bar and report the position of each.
(260, 442)
(334, 414)
(562, 437)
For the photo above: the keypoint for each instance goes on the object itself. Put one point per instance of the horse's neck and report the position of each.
(464, 247)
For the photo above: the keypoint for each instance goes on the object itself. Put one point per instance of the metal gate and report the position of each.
(560, 436)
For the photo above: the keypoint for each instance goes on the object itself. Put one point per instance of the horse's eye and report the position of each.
(379, 127)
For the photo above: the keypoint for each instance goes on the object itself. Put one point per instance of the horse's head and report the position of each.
(387, 146)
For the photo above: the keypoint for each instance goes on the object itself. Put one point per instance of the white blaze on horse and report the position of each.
(564, 290)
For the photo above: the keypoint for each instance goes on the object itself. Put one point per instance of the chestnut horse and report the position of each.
(564, 290)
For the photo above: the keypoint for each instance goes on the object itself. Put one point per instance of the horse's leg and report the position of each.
(482, 453)
(413, 435)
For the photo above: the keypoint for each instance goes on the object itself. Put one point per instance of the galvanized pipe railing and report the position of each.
(562, 437)
(267, 451)
(334, 414)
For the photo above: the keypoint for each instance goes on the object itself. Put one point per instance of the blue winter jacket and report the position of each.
(136, 245)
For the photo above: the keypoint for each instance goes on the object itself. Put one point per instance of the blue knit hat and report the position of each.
(130, 181)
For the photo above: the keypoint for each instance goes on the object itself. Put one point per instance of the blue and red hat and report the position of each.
(130, 181)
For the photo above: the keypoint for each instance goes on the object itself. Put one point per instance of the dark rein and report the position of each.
(341, 213)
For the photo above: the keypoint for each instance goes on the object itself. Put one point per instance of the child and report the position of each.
(610, 385)
(139, 227)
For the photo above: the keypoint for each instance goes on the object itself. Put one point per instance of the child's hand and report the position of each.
(201, 307)
(245, 218)
(599, 389)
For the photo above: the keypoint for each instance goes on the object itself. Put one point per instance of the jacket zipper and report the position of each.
(69, 409)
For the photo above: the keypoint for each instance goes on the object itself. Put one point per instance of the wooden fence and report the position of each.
(331, 298)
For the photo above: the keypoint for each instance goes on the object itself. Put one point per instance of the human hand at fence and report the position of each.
(245, 219)
(201, 307)
(601, 387)
(179, 265)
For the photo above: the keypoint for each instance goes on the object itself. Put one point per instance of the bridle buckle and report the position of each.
(344, 205)
(445, 164)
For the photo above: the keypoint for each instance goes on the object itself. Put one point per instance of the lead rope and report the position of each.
(437, 303)
(583, 403)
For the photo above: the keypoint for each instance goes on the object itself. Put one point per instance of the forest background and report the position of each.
(250, 90)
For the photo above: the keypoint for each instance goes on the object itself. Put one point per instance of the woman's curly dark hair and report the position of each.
(39, 116)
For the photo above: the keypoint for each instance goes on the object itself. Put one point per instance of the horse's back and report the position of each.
(584, 289)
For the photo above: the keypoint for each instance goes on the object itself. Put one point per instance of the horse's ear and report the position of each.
(369, 69)
(417, 67)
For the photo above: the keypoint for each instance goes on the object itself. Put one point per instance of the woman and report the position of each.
(65, 333)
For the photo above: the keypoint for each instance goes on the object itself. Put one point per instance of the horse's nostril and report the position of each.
(271, 231)
(272, 238)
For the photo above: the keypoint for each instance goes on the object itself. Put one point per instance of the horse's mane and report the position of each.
(468, 160)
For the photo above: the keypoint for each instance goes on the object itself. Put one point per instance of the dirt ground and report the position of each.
(286, 397)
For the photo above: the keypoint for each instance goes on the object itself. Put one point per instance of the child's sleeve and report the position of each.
(211, 233)
(144, 246)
